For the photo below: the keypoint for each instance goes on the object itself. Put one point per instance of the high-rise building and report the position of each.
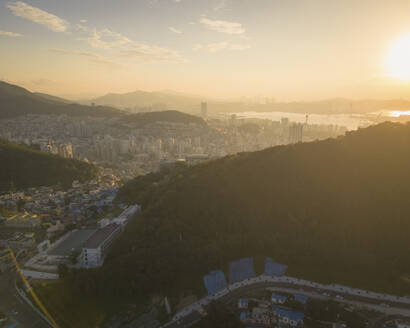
(295, 133)
(204, 109)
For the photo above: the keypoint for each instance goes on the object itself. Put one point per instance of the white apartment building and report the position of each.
(97, 246)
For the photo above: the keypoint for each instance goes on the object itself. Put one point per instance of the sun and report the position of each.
(398, 58)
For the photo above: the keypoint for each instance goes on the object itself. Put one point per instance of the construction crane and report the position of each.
(32, 293)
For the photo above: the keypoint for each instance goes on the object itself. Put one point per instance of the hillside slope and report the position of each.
(16, 101)
(22, 167)
(334, 211)
(143, 99)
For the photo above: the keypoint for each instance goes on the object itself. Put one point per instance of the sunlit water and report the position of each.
(351, 122)
(396, 113)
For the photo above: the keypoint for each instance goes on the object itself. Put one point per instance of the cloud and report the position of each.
(106, 39)
(218, 46)
(173, 29)
(222, 26)
(36, 15)
(91, 56)
(82, 28)
(83, 21)
(11, 34)
(148, 53)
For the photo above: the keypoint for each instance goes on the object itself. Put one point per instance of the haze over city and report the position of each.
(290, 50)
(204, 163)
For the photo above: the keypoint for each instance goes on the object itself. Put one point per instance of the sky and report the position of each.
(286, 49)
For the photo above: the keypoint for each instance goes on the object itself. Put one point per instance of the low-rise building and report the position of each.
(288, 318)
(261, 315)
(278, 299)
(25, 221)
(96, 247)
(301, 298)
(243, 303)
(127, 215)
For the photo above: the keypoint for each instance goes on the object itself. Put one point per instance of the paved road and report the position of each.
(390, 310)
(14, 307)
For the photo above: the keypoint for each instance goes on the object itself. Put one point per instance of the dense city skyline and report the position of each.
(289, 50)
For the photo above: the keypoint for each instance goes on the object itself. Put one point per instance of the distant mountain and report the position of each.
(9, 90)
(139, 100)
(334, 211)
(16, 101)
(23, 167)
(53, 98)
(168, 99)
(328, 106)
(170, 116)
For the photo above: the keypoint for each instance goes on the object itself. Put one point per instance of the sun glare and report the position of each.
(398, 58)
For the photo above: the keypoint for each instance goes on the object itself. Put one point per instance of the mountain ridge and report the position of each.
(16, 101)
(322, 208)
(23, 167)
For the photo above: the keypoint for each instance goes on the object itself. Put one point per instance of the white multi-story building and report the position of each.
(97, 246)
(129, 213)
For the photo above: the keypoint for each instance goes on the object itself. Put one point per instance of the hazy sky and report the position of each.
(287, 49)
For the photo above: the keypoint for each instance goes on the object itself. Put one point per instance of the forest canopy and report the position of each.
(23, 167)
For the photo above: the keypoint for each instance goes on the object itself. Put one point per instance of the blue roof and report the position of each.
(291, 315)
(274, 269)
(243, 302)
(215, 281)
(241, 270)
(279, 297)
(301, 298)
(243, 315)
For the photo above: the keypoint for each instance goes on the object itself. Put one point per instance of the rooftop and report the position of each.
(100, 236)
(278, 297)
(74, 242)
(291, 315)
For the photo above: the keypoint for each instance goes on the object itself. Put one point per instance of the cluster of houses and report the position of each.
(265, 313)
(82, 248)
(27, 214)
(276, 310)
(46, 205)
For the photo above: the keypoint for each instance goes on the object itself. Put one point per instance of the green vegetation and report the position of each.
(219, 316)
(22, 167)
(67, 310)
(335, 211)
(318, 312)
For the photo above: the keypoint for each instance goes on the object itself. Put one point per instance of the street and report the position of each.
(14, 307)
(388, 310)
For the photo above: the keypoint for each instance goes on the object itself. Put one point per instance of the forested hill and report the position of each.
(22, 167)
(335, 210)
